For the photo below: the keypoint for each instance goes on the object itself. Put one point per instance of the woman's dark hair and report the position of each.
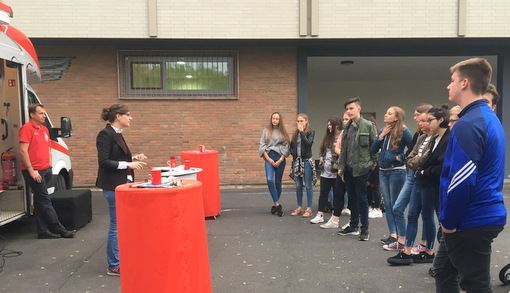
(329, 137)
(372, 119)
(441, 111)
(110, 114)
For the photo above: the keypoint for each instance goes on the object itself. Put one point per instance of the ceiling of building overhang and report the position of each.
(385, 68)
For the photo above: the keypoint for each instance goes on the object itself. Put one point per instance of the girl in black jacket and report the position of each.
(303, 166)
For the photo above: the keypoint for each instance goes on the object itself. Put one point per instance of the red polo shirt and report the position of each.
(39, 144)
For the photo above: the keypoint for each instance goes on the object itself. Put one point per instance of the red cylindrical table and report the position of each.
(210, 177)
(162, 239)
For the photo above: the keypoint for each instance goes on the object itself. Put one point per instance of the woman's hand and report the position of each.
(300, 127)
(385, 131)
(136, 165)
(140, 157)
(277, 163)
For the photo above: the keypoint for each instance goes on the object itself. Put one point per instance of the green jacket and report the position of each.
(365, 161)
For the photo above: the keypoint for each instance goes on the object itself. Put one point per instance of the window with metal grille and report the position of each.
(178, 74)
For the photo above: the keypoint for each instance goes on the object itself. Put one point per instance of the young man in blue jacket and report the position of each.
(472, 212)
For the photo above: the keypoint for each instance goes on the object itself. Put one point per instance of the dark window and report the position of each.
(178, 74)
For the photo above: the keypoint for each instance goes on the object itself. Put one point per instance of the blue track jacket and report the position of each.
(471, 193)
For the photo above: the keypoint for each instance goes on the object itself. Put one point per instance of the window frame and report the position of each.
(128, 57)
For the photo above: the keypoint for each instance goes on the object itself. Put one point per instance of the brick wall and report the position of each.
(160, 128)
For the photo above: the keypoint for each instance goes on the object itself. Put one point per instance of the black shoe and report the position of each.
(401, 259)
(432, 272)
(273, 209)
(364, 236)
(423, 257)
(388, 240)
(279, 211)
(47, 235)
(68, 233)
(349, 231)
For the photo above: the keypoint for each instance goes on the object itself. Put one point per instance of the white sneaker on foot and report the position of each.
(346, 212)
(374, 214)
(318, 219)
(330, 225)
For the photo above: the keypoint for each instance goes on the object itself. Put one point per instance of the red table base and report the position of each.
(210, 178)
(162, 239)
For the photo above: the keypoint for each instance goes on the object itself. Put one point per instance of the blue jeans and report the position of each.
(358, 201)
(391, 183)
(422, 201)
(308, 184)
(274, 176)
(112, 245)
(399, 208)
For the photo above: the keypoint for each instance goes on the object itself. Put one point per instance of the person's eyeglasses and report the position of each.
(431, 119)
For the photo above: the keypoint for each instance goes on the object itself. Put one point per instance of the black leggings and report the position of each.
(338, 196)
(374, 196)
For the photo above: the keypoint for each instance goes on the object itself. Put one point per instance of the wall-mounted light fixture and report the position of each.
(347, 62)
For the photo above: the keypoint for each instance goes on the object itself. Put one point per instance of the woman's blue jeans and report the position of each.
(399, 208)
(274, 176)
(112, 245)
(391, 183)
(422, 201)
(307, 176)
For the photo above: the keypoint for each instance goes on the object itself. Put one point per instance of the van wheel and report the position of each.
(60, 182)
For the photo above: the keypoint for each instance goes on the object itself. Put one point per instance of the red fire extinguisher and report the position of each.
(9, 167)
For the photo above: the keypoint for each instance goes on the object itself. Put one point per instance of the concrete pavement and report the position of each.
(250, 250)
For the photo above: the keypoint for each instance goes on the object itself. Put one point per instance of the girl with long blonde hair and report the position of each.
(303, 166)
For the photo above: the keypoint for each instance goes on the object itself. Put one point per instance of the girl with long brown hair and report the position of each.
(391, 142)
(274, 147)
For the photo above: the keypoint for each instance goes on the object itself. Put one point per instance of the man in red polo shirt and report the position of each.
(35, 151)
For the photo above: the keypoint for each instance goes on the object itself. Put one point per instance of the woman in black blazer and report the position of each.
(430, 172)
(115, 167)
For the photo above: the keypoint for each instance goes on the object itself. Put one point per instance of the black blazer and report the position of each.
(109, 153)
(433, 166)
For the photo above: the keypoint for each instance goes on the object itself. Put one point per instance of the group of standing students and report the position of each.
(455, 173)
(409, 168)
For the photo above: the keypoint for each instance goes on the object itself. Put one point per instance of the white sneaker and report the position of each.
(346, 212)
(374, 214)
(345, 226)
(330, 225)
(318, 219)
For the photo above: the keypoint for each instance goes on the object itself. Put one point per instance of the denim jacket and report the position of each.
(388, 156)
(365, 137)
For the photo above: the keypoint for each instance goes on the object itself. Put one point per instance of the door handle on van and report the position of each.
(4, 136)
